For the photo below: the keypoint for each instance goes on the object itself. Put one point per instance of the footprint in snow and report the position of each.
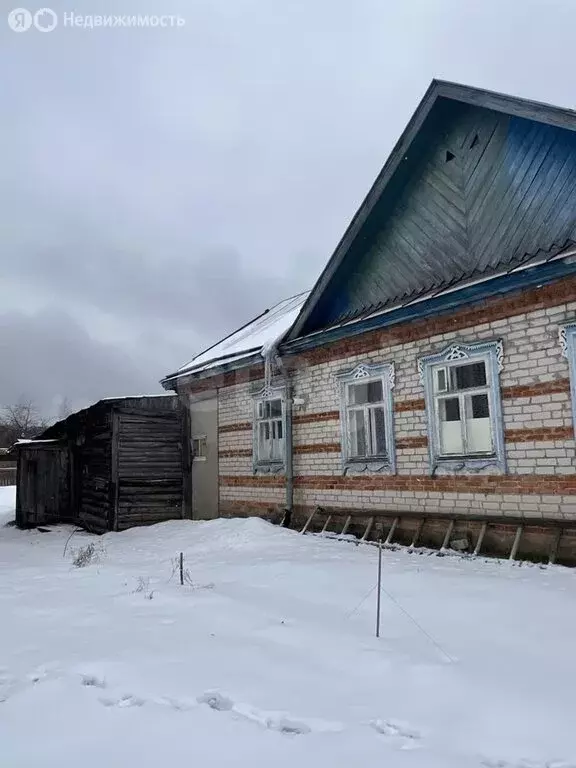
(93, 681)
(123, 702)
(395, 729)
(272, 721)
(285, 725)
(216, 700)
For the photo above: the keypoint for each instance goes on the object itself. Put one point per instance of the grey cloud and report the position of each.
(52, 357)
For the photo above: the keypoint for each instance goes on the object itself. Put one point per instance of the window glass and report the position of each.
(378, 431)
(468, 376)
(479, 407)
(275, 407)
(367, 392)
(450, 409)
(357, 433)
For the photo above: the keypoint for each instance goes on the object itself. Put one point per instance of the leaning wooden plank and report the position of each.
(448, 534)
(516, 544)
(480, 538)
(555, 546)
(368, 529)
(417, 533)
(326, 524)
(391, 531)
(307, 524)
(346, 525)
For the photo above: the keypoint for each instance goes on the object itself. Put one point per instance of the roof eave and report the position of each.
(525, 276)
(177, 381)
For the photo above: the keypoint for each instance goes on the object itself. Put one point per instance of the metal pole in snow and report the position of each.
(182, 568)
(379, 587)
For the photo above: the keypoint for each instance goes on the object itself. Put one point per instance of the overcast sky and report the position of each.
(160, 187)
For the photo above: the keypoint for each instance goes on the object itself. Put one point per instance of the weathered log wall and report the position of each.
(93, 463)
(150, 481)
(43, 489)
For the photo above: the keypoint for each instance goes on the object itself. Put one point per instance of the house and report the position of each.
(426, 390)
(122, 462)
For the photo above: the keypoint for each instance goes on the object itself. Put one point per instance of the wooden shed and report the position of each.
(120, 463)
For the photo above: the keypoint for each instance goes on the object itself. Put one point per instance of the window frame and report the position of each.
(266, 395)
(365, 373)
(491, 353)
(567, 335)
(198, 438)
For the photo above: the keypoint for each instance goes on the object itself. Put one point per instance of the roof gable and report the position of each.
(477, 181)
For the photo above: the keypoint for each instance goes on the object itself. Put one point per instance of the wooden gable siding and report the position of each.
(478, 189)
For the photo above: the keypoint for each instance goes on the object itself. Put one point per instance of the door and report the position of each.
(204, 445)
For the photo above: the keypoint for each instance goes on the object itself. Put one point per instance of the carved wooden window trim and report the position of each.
(435, 371)
(264, 420)
(370, 461)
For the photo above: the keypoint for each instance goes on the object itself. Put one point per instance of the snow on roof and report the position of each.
(32, 441)
(135, 397)
(256, 337)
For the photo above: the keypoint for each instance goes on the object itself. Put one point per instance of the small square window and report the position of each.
(199, 448)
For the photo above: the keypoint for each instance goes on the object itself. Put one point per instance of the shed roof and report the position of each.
(251, 339)
(55, 431)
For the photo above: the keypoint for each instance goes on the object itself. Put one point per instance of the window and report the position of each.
(269, 430)
(463, 409)
(568, 344)
(199, 448)
(463, 406)
(366, 417)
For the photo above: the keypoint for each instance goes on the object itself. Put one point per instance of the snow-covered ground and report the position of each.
(270, 658)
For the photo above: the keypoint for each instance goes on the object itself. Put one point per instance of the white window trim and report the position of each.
(492, 353)
(268, 393)
(567, 336)
(366, 373)
(199, 437)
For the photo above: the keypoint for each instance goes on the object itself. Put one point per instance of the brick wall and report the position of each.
(537, 412)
